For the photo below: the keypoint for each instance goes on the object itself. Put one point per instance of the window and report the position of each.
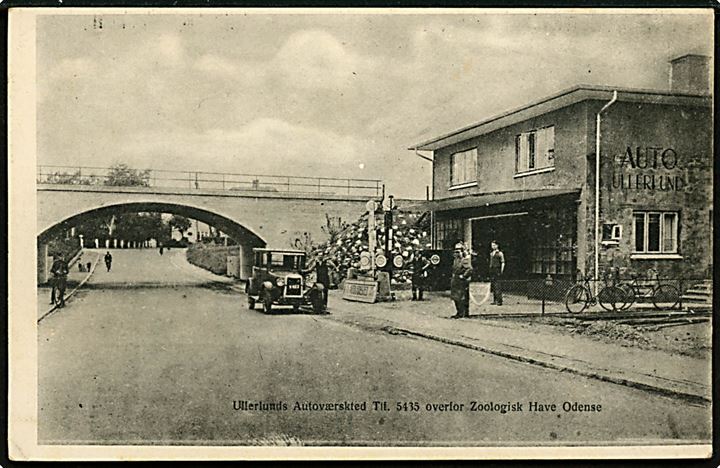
(611, 233)
(656, 232)
(463, 167)
(448, 232)
(535, 150)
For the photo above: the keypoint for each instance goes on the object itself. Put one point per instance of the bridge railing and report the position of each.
(201, 180)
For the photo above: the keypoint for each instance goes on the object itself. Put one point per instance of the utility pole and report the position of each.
(388, 234)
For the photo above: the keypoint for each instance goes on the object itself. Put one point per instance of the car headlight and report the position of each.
(280, 282)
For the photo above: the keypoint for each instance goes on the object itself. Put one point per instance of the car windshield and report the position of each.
(285, 261)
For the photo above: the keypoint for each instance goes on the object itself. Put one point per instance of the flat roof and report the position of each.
(285, 251)
(557, 101)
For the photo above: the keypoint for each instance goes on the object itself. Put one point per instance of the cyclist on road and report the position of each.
(60, 271)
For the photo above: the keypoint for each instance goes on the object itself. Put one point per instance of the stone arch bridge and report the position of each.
(252, 218)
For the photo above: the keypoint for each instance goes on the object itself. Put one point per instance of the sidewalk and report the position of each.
(657, 371)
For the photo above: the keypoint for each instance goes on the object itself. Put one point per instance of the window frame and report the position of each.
(662, 251)
(523, 162)
(471, 179)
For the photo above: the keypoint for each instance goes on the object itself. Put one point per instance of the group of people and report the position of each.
(462, 271)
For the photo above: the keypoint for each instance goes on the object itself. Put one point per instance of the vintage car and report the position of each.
(278, 280)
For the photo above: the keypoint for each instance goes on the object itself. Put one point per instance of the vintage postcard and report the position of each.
(360, 233)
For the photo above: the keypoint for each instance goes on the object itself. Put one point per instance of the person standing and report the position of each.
(59, 271)
(322, 265)
(161, 249)
(497, 268)
(460, 282)
(108, 260)
(420, 267)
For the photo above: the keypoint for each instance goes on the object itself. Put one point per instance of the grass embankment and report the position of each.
(211, 257)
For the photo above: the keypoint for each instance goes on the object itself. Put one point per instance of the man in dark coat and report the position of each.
(497, 268)
(322, 266)
(420, 267)
(460, 282)
(108, 260)
(59, 271)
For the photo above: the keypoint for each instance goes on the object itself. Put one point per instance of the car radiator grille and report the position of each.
(293, 286)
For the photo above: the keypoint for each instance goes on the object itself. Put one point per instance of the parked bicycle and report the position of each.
(662, 296)
(580, 296)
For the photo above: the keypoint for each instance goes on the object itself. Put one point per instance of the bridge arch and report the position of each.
(240, 233)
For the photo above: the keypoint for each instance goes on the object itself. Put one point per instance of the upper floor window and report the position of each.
(463, 167)
(656, 231)
(535, 150)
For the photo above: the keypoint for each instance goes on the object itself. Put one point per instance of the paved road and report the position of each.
(158, 350)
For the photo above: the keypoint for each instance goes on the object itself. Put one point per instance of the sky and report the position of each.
(333, 95)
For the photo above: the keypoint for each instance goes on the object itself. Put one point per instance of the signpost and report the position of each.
(365, 289)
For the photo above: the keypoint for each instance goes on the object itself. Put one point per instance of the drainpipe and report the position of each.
(432, 213)
(597, 189)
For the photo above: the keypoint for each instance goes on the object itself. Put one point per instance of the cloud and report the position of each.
(313, 58)
(170, 49)
(265, 145)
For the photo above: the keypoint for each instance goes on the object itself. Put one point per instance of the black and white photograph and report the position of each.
(377, 233)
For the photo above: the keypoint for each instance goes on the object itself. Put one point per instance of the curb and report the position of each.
(687, 396)
(71, 293)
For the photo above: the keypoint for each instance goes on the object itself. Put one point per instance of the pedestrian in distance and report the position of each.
(108, 260)
(59, 271)
(88, 266)
(420, 266)
(497, 268)
(161, 250)
(460, 282)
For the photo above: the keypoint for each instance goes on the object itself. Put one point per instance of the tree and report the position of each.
(333, 227)
(180, 223)
(65, 178)
(123, 175)
(303, 241)
(137, 227)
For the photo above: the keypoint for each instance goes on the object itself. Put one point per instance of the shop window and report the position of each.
(448, 232)
(655, 231)
(535, 150)
(463, 167)
(552, 247)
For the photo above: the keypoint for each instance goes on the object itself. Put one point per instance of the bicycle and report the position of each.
(663, 296)
(580, 296)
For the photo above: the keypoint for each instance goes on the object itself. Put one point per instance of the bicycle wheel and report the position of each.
(577, 299)
(666, 296)
(612, 298)
(629, 295)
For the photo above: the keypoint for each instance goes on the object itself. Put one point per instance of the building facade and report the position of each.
(527, 178)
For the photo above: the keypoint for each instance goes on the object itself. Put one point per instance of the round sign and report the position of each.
(380, 260)
(435, 259)
(398, 261)
(365, 260)
(371, 206)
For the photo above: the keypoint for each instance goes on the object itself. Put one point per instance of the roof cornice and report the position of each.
(559, 100)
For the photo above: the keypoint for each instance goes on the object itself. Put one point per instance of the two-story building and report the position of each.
(527, 179)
